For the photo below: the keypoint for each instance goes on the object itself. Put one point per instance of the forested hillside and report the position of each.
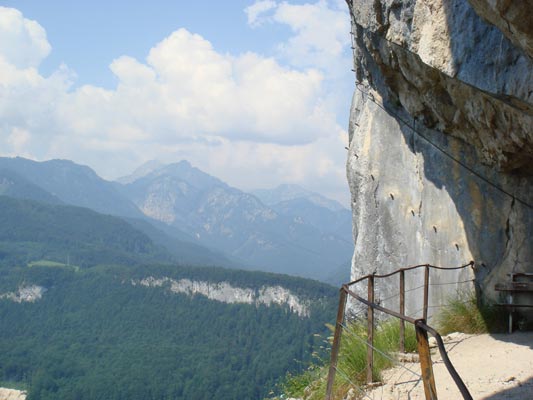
(32, 231)
(95, 335)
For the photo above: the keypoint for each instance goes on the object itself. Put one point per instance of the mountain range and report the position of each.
(110, 290)
(197, 218)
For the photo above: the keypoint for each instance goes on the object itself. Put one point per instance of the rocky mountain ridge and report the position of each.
(305, 242)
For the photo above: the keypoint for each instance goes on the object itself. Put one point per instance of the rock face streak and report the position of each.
(441, 140)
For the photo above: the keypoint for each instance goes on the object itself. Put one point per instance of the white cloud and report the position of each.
(186, 89)
(18, 139)
(23, 42)
(320, 31)
(246, 118)
(256, 11)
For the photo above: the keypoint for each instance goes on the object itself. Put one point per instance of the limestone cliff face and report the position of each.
(12, 394)
(441, 138)
(226, 293)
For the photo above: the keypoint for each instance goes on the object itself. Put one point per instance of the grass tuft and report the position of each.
(351, 366)
(463, 314)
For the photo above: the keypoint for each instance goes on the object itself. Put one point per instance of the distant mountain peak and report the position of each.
(145, 169)
(184, 163)
(288, 192)
(157, 168)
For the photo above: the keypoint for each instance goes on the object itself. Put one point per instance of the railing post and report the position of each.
(425, 362)
(370, 332)
(426, 292)
(336, 342)
(402, 311)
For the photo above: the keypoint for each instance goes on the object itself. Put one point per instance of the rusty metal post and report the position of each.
(426, 365)
(336, 342)
(402, 311)
(426, 292)
(370, 332)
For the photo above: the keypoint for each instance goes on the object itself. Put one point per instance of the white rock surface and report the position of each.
(12, 394)
(29, 294)
(226, 293)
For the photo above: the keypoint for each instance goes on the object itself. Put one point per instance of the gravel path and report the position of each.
(493, 367)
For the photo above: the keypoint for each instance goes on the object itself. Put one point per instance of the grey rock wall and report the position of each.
(440, 162)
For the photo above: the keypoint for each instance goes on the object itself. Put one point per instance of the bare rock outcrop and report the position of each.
(441, 139)
(224, 292)
(27, 294)
(12, 394)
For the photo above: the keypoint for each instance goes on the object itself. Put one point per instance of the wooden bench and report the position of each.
(521, 282)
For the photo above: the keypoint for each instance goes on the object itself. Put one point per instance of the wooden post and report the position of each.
(425, 363)
(510, 300)
(402, 311)
(370, 332)
(336, 342)
(426, 292)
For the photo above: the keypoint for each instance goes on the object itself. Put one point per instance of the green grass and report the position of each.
(311, 384)
(51, 264)
(462, 313)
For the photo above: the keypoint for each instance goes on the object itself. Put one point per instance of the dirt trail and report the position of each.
(493, 367)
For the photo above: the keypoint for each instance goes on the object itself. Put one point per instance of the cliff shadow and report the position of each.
(520, 391)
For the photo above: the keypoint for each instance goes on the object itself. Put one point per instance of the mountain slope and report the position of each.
(14, 185)
(236, 222)
(326, 220)
(287, 192)
(182, 248)
(33, 231)
(80, 186)
(140, 172)
(73, 184)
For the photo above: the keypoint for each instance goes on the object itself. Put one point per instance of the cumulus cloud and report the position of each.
(247, 118)
(320, 31)
(186, 89)
(24, 42)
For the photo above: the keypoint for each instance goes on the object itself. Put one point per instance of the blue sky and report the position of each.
(88, 35)
(254, 92)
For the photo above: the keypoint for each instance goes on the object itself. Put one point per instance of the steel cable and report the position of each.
(413, 127)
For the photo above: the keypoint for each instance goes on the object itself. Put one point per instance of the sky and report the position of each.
(256, 93)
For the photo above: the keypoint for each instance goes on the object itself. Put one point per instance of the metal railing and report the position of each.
(420, 325)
